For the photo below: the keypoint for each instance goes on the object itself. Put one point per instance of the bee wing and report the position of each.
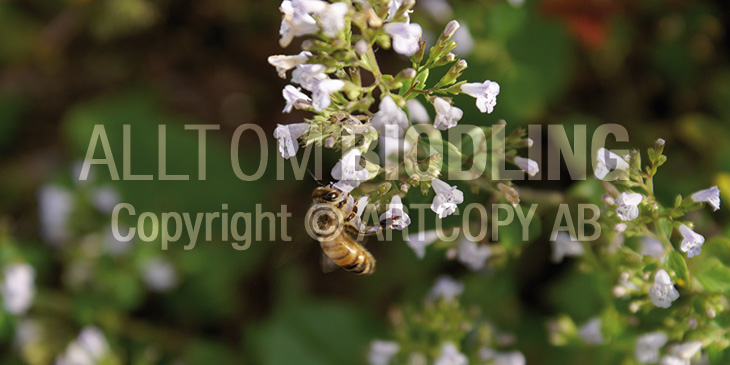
(326, 263)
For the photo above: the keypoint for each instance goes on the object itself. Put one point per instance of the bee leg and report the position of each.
(352, 216)
(384, 224)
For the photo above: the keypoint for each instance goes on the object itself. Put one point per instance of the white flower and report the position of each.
(395, 211)
(105, 198)
(54, 208)
(308, 75)
(297, 19)
(417, 111)
(332, 18)
(686, 350)
(691, 242)
(450, 355)
(446, 115)
(381, 352)
(419, 241)
(464, 41)
(563, 245)
(446, 288)
(285, 63)
(591, 332)
(509, 358)
(17, 288)
(287, 134)
(527, 165)
(485, 93)
(473, 255)
(405, 37)
(390, 114)
(628, 205)
(446, 199)
(662, 292)
(390, 143)
(711, 196)
(607, 162)
(516, 3)
(349, 172)
(321, 93)
(672, 360)
(90, 347)
(294, 98)
(393, 7)
(651, 246)
(648, 345)
(159, 275)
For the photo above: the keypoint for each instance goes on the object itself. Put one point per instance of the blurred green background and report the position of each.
(659, 68)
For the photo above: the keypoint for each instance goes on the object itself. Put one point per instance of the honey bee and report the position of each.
(333, 221)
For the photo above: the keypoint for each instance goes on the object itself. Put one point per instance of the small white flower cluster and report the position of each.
(563, 244)
(446, 288)
(473, 255)
(17, 288)
(381, 352)
(89, 348)
(648, 346)
(662, 292)
(628, 202)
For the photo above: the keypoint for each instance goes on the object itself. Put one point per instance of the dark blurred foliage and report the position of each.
(659, 68)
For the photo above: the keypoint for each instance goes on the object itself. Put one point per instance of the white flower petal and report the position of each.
(591, 332)
(527, 165)
(390, 114)
(446, 288)
(485, 93)
(565, 245)
(419, 241)
(662, 292)
(285, 63)
(405, 37)
(450, 355)
(648, 345)
(417, 111)
(17, 288)
(711, 196)
(472, 255)
(691, 241)
(381, 352)
(395, 211)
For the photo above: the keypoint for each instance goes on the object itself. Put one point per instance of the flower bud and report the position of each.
(361, 47)
(450, 29)
(608, 199)
(418, 56)
(510, 194)
(406, 74)
(374, 20)
(453, 74)
(329, 142)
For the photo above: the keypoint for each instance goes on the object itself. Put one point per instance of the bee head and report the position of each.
(326, 194)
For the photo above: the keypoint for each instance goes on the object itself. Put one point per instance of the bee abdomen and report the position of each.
(357, 260)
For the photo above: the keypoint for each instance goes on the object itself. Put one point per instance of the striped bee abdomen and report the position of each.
(349, 255)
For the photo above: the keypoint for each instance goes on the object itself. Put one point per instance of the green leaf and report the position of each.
(714, 276)
(676, 262)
